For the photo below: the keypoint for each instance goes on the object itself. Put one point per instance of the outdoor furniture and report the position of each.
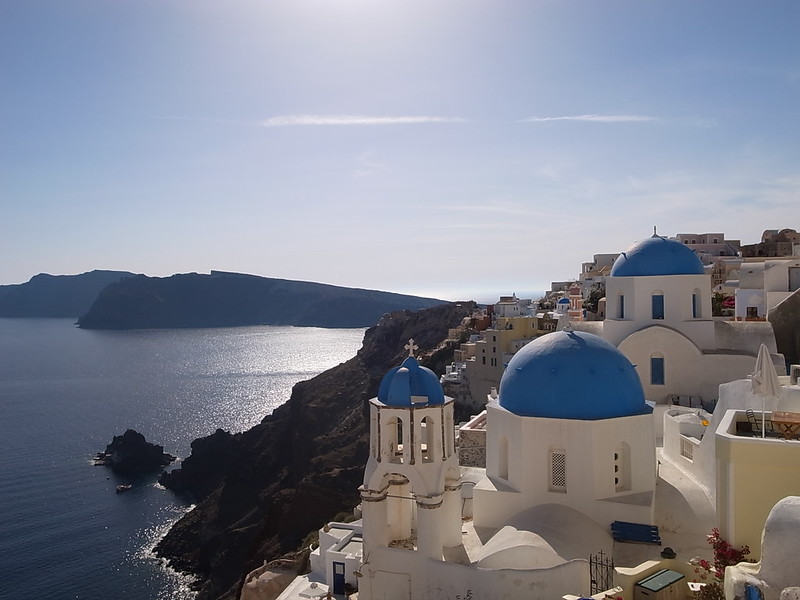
(787, 424)
(623, 531)
(755, 424)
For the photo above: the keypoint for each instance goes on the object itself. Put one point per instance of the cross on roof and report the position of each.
(411, 346)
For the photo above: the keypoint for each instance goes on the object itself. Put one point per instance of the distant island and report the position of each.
(55, 295)
(222, 299)
(124, 300)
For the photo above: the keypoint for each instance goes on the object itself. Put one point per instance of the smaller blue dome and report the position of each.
(407, 384)
(657, 256)
(571, 375)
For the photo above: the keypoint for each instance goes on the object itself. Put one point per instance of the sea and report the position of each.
(65, 392)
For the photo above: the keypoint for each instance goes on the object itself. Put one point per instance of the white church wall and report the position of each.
(681, 312)
(687, 370)
(588, 448)
(403, 575)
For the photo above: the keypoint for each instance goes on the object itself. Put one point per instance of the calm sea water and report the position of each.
(65, 392)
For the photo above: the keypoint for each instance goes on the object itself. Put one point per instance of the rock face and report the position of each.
(260, 492)
(55, 295)
(131, 454)
(230, 299)
(785, 320)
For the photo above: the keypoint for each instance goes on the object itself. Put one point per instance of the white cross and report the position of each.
(411, 346)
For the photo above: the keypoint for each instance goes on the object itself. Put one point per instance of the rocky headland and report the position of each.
(259, 493)
(131, 454)
(221, 299)
(55, 295)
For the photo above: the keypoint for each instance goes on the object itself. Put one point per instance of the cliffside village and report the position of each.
(618, 422)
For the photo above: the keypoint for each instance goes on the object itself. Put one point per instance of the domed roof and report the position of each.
(657, 256)
(410, 385)
(572, 375)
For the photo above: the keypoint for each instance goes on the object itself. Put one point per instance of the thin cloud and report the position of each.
(594, 119)
(293, 120)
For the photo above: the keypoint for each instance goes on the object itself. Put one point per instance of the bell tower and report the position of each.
(410, 497)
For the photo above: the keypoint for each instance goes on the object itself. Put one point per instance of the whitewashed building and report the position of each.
(570, 448)
(658, 313)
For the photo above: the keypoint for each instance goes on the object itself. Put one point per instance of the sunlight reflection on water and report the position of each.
(66, 392)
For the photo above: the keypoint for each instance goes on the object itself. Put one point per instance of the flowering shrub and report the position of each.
(725, 555)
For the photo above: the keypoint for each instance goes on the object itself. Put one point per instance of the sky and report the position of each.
(455, 149)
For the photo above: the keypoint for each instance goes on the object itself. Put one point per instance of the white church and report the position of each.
(570, 449)
(570, 442)
(658, 313)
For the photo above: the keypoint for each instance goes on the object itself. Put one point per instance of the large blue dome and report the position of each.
(410, 385)
(657, 256)
(572, 375)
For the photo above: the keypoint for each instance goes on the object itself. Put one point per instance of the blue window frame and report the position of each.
(656, 370)
(658, 306)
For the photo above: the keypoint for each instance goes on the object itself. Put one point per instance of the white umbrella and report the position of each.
(764, 381)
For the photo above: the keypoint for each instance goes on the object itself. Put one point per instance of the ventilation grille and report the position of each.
(558, 474)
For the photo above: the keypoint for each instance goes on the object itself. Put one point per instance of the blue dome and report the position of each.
(407, 384)
(571, 375)
(657, 256)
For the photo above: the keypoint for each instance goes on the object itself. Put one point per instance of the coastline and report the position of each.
(260, 492)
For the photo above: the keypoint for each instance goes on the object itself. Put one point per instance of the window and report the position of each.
(657, 370)
(621, 306)
(502, 463)
(558, 470)
(658, 305)
(695, 306)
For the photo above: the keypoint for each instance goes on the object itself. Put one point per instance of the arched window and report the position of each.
(658, 305)
(621, 306)
(697, 312)
(394, 439)
(657, 369)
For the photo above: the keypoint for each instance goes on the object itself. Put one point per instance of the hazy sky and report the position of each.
(447, 148)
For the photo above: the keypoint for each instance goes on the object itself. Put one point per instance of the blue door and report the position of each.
(338, 578)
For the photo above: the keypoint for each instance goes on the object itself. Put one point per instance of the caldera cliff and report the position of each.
(221, 299)
(260, 492)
